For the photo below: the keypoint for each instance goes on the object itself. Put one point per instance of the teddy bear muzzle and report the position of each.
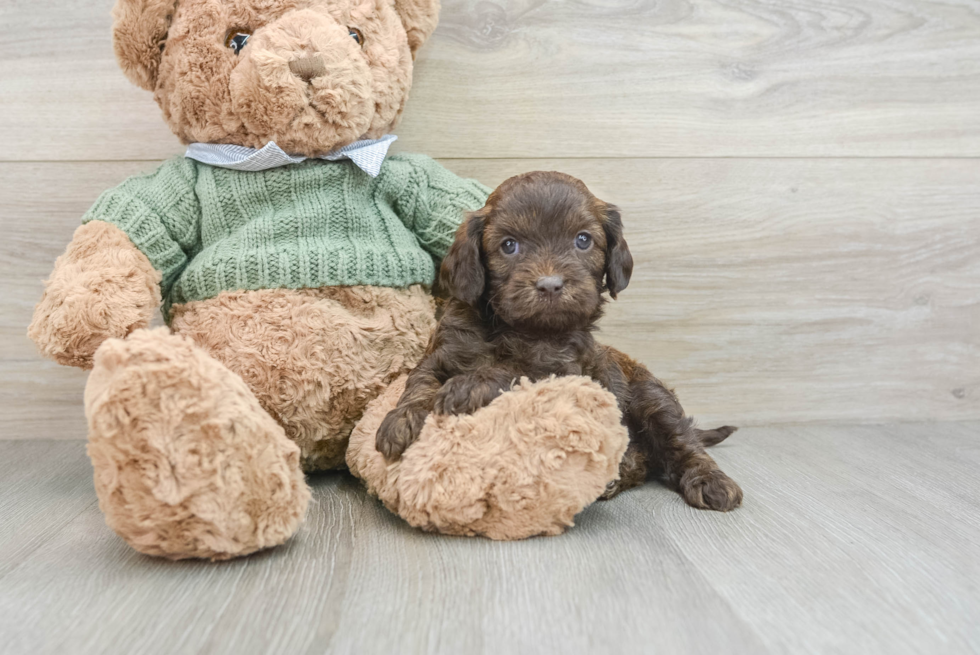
(302, 79)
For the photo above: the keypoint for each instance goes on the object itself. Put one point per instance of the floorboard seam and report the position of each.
(54, 533)
(653, 511)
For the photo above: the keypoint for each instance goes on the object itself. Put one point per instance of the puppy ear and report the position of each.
(420, 18)
(619, 261)
(139, 31)
(462, 273)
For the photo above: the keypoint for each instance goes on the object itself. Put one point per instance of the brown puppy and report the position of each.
(526, 275)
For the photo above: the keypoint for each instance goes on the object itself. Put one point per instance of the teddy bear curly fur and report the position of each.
(200, 432)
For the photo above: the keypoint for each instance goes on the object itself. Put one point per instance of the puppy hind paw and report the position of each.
(713, 490)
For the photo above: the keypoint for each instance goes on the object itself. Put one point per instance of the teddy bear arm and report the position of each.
(132, 246)
(435, 201)
(101, 287)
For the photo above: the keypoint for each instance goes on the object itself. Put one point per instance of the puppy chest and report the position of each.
(538, 359)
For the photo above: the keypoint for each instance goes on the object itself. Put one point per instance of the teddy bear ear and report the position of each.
(139, 31)
(420, 18)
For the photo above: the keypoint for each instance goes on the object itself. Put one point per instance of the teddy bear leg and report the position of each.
(524, 465)
(187, 463)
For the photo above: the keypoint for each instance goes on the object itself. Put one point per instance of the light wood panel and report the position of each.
(525, 78)
(765, 291)
(797, 290)
(851, 540)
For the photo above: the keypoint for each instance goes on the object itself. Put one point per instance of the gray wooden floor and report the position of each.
(855, 539)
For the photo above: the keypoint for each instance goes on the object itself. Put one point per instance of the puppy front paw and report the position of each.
(710, 490)
(398, 431)
(464, 394)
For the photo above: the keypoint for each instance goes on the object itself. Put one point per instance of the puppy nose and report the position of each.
(307, 68)
(551, 284)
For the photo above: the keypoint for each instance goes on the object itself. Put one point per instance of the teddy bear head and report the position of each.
(311, 75)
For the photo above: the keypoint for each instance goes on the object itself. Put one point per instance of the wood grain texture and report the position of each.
(845, 530)
(527, 78)
(43, 486)
(797, 290)
(764, 291)
(851, 540)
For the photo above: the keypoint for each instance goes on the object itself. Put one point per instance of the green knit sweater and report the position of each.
(308, 225)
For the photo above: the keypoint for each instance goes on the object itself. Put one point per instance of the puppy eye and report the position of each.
(509, 247)
(356, 35)
(236, 40)
(583, 241)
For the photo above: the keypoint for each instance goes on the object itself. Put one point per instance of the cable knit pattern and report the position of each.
(309, 225)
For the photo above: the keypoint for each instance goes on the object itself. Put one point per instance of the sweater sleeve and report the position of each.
(434, 201)
(160, 213)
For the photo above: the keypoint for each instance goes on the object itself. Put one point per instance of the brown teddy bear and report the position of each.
(292, 258)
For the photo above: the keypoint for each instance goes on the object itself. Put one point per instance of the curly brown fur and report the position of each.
(187, 464)
(313, 357)
(102, 287)
(526, 275)
(523, 466)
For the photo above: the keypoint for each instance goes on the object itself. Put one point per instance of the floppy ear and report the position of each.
(420, 18)
(139, 31)
(619, 261)
(462, 273)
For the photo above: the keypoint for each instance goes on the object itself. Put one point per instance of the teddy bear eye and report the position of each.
(583, 240)
(356, 35)
(236, 40)
(509, 247)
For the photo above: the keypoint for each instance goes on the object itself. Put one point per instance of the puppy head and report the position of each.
(541, 252)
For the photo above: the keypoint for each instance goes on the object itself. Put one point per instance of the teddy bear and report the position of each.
(292, 258)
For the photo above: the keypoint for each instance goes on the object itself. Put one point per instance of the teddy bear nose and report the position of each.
(550, 284)
(307, 68)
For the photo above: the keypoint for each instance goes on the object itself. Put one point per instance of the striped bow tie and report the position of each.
(367, 155)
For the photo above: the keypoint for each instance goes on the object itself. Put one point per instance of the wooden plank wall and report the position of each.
(800, 183)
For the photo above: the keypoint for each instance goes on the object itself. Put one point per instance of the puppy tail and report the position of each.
(716, 436)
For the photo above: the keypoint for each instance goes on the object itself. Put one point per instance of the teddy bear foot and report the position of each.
(187, 463)
(524, 465)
